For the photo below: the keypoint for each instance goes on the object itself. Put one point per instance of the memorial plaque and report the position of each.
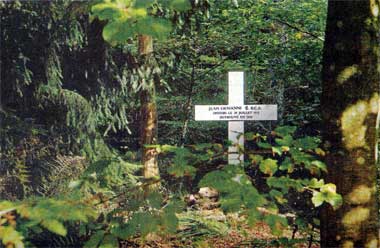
(235, 113)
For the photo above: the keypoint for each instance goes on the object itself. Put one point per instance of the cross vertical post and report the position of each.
(235, 128)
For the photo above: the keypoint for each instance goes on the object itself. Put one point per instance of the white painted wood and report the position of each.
(258, 112)
(235, 113)
(235, 128)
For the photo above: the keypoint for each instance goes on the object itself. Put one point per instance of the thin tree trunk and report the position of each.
(350, 108)
(148, 114)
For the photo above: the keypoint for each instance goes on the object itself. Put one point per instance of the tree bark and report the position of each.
(350, 110)
(148, 113)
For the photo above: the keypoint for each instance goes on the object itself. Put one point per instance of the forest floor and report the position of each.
(238, 235)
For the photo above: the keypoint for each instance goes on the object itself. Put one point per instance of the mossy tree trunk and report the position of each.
(148, 111)
(350, 108)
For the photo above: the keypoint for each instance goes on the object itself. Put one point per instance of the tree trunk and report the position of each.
(148, 113)
(350, 99)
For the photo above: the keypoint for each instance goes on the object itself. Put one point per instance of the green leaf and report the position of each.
(268, 166)
(178, 5)
(283, 131)
(320, 165)
(315, 183)
(54, 226)
(156, 27)
(264, 145)
(287, 140)
(277, 150)
(95, 240)
(256, 159)
(307, 143)
(143, 3)
(107, 11)
(287, 165)
(118, 31)
(318, 198)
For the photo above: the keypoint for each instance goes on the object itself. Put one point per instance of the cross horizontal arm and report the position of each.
(260, 112)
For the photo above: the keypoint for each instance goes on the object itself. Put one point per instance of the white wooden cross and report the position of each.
(235, 113)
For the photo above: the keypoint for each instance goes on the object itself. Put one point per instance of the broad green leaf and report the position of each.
(318, 198)
(156, 27)
(320, 165)
(118, 31)
(283, 131)
(54, 226)
(287, 140)
(268, 166)
(277, 150)
(143, 3)
(179, 5)
(315, 183)
(335, 200)
(264, 145)
(307, 143)
(107, 11)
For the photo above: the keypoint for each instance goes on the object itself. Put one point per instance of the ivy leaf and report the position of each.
(54, 226)
(278, 196)
(268, 166)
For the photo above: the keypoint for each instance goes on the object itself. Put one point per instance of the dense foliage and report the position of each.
(70, 173)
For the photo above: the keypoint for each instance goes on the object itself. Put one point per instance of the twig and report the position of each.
(298, 29)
